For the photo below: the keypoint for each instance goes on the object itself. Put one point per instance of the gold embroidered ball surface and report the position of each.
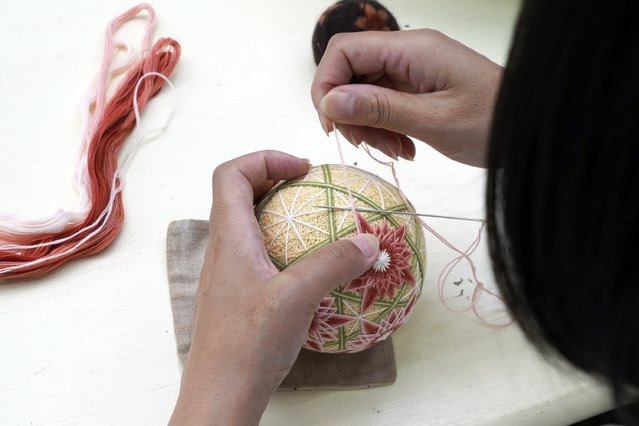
(362, 312)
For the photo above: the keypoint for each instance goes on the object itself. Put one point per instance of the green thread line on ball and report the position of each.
(393, 305)
(388, 305)
(333, 187)
(371, 204)
(341, 335)
(376, 319)
(335, 235)
(259, 208)
(331, 345)
(330, 201)
(414, 239)
(381, 303)
(279, 265)
(341, 338)
(414, 245)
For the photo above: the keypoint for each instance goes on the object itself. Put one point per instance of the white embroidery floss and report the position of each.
(106, 159)
(128, 153)
(19, 228)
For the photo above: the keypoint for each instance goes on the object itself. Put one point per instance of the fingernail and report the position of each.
(346, 134)
(323, 123)
(391, 153)
(408, 149)
(310, 166)
(351, 139)
(338, 105)
(358, 140)
(407, 156)
(368, 245)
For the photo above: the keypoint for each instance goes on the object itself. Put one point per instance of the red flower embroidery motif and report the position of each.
(325, 324)
(392, 268)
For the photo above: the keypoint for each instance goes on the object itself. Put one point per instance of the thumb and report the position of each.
(333, 265)
(373, 106)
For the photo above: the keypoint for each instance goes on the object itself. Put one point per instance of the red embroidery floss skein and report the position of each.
(30, 255)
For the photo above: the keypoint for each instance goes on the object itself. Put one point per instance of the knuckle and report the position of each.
(337, 41)
(432, 33)
(380, 110)
(220, 171)
(348, 43)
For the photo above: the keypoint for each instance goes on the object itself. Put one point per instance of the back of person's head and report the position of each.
(563, 184)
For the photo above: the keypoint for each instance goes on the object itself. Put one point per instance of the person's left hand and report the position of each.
(251, 320)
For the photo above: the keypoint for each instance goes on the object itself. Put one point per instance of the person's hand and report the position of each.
(420, 84)
(251, 320)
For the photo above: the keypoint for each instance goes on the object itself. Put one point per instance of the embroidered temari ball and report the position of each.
(362, 312)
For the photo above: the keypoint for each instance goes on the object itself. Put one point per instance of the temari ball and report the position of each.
(362, 312)
(347, 16)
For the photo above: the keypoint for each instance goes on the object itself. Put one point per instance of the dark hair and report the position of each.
(563, 184)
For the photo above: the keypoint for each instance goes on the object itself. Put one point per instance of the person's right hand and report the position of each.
(420, 83)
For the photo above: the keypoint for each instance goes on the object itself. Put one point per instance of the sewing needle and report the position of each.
(367, 210)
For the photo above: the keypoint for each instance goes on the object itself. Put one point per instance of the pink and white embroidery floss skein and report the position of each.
(33, 247)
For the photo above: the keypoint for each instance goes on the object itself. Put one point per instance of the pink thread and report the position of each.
(109, 50)
(348, 188)
(29, 254)
(17, 228)
(97, 96)
(479, 288)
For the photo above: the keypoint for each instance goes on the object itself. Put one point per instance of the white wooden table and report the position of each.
(93, 343)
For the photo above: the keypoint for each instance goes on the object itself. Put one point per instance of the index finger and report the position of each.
(238, 182)
(367, 53)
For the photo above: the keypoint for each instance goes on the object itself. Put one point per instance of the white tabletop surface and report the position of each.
(93, 343)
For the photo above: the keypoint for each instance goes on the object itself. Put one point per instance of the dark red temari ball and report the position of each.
(349, 16)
